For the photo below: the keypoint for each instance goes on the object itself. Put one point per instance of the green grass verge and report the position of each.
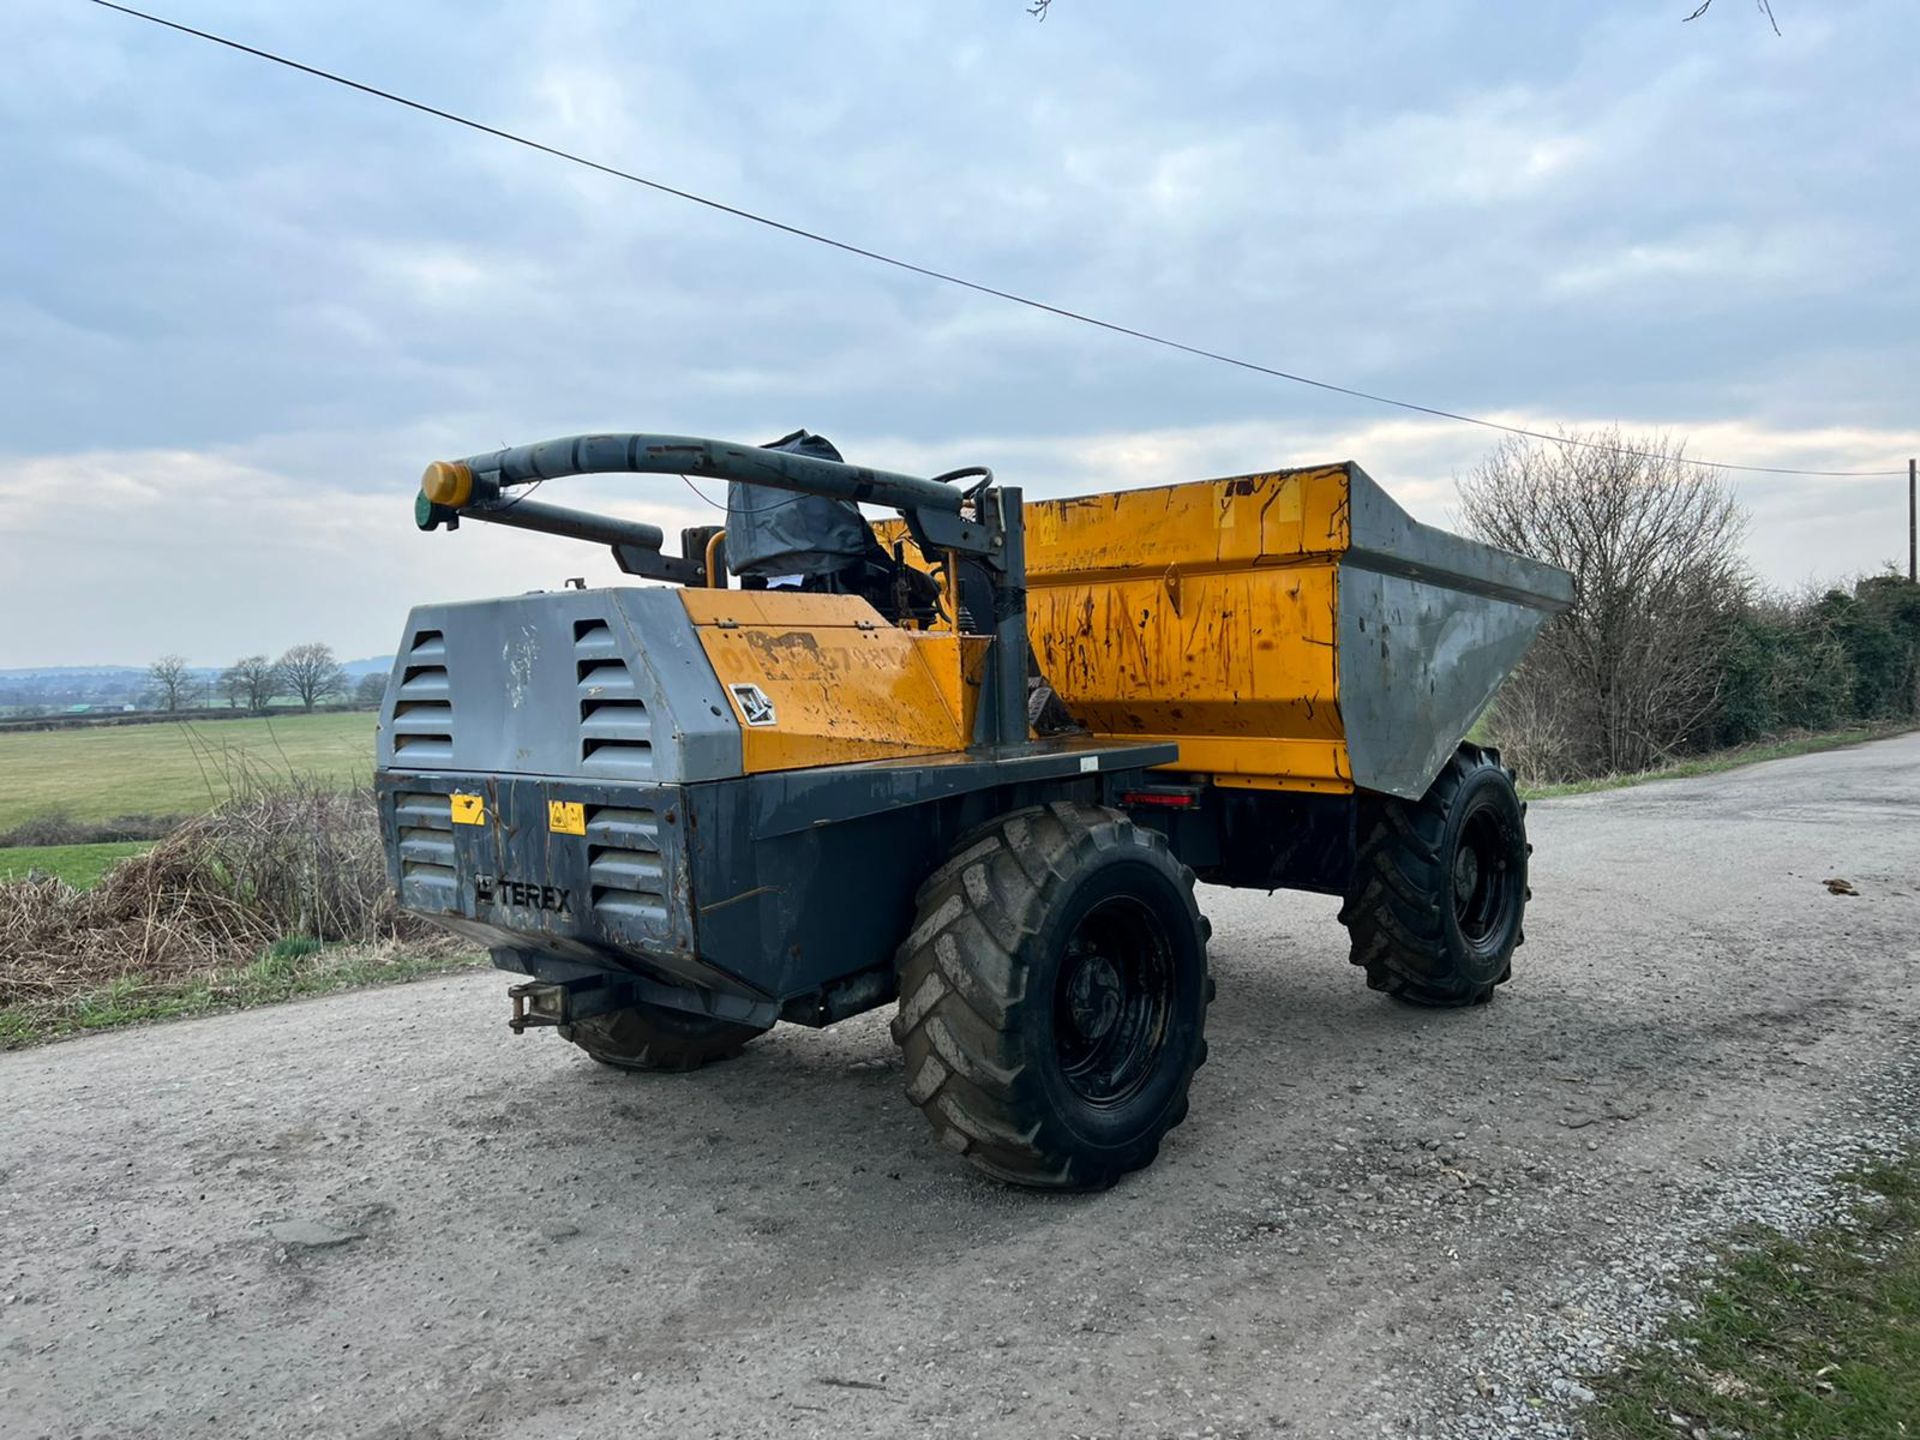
(287, 971)
(1814, 1339)
(178, 767)
(1728, 759)
(81, 866)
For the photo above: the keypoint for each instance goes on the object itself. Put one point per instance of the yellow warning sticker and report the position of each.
(566, 817)
(469, 809)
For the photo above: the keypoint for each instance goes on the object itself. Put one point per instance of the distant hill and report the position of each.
(373, 665)
(75, 672)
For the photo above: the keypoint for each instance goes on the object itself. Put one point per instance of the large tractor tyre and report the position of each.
(653, 1037)
(1440, 885)
(1054, 997)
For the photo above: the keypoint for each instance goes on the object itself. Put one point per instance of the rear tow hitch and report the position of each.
(543, 1002)
(537, 1004)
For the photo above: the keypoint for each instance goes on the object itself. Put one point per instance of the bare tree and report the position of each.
(371, 690)
(311, 674)
(1631, 674)
(251, 682)
(1039, 9)
(174, 684)
(1765, 7)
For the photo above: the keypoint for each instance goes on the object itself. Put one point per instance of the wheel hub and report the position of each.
(1483, 878)
(1113, 1001)
(1466, 875)
(1093, 997)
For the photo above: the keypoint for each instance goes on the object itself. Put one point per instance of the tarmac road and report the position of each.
(1377, 1221)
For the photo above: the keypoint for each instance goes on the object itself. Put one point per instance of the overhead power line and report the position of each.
(798, 232)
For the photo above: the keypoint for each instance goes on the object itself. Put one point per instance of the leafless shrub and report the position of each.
(300, 860)
(1631, 675)
(1536, 735)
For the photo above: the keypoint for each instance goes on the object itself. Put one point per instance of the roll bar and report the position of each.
(477, 488)
(715, 459)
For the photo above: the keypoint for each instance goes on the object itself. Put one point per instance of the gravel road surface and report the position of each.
(383, 1215)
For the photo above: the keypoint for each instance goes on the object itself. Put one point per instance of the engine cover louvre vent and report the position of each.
(624, 867)
(424, 823)
(616, 732)
(423, 705)
(607, 686)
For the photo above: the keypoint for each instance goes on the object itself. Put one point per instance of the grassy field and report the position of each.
(177, 768)
(81, 866)
(1810, 1339)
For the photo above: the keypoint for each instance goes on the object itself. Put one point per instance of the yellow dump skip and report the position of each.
(1291, 630)
(1204, 614)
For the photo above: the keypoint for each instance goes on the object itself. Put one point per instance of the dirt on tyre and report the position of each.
(1439, 889)
(1054, 993)
(653, 1037)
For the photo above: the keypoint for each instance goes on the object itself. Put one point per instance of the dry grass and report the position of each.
(297, 862)
(289, 970)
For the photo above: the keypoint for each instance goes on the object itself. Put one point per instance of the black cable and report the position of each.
(523, 495)
(948, 279)
(762, 510)
(701, 493)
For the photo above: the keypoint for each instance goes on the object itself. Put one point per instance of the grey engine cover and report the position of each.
(599, 684)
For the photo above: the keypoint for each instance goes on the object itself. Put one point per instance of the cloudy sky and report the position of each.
(239, 309)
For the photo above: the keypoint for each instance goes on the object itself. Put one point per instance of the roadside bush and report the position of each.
(1824, 660)
(298, 863)
(1537, 733)
(1784, 672)
(1669, 649)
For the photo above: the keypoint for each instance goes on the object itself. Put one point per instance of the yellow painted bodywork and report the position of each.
(843, 683)
(1202, 614)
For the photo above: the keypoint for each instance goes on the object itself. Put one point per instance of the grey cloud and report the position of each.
(1511, 208)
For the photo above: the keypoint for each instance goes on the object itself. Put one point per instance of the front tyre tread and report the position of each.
(1400, 909)
(978, 985)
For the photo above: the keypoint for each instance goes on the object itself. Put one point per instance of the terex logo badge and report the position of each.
(502, 890)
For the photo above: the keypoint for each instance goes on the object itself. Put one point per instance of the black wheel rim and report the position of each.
(1113, 1000)
(1484, 883)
